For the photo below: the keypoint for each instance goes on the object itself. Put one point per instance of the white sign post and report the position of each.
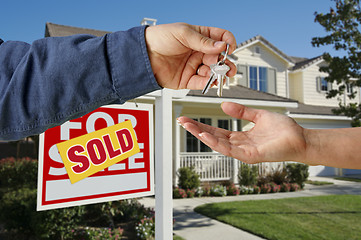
(163, 166)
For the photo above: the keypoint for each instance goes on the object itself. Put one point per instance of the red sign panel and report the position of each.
(129, 178)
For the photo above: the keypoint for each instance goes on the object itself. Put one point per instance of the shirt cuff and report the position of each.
(130, 66)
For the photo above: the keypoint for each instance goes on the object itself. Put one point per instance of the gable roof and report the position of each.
(57, 30)
(266, 43)
(303, 63)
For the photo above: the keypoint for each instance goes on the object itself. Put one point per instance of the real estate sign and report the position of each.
(128, 178)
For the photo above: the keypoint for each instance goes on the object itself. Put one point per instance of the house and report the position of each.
(266, 78)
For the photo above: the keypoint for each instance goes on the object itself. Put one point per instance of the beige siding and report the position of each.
(266, 58)
(311, 96)
(296, 86)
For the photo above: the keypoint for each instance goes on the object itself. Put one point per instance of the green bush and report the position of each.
(179, 193)
(278, 176)
(232, 190)
(18, 214)
(188, 178)
(297, 173)
(19, 173)
(218, 191)
(17, 209)
(248, 175)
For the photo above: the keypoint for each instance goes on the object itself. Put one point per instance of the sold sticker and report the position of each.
(93, 152)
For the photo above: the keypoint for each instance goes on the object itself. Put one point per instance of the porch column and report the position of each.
(235, 161)
(177, 111)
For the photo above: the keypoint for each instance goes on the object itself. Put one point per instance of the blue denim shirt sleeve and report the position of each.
(53, 80)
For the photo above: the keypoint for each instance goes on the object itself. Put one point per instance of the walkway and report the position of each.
(193, 226)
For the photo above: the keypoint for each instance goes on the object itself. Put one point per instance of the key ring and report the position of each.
(225, 55)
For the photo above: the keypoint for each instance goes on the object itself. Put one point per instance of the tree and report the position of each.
(343, 28)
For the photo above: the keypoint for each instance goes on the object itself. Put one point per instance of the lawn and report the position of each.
(324, 217)
(348, 179)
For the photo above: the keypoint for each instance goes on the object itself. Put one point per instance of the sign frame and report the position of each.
(41, 191)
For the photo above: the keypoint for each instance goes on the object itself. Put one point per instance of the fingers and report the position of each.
(209, 40)
(239, 111)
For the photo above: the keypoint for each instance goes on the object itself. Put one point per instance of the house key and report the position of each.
(221, 71)
(211, 79)
(218, 71)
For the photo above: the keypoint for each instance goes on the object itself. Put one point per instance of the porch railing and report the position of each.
(217, 167)
(209, 166)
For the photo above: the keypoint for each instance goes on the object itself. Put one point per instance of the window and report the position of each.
(193, 144)
(323, 85)
(225, 124)
(258, 79)
(349, 88)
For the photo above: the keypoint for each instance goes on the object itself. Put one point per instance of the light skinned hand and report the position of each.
(275, 137)
(178, 51)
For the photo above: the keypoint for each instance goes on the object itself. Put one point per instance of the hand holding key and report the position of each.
(181, 54)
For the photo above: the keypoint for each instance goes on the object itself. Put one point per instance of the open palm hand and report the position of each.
(275, 137)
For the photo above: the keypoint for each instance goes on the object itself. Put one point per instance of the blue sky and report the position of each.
(287, 24)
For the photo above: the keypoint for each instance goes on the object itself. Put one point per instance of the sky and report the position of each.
(287, 24)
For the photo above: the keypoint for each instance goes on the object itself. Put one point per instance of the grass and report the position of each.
(348, 179)
(323, 217)
(175, 237)
(318, 183)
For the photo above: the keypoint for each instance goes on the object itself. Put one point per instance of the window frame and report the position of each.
(258, 78)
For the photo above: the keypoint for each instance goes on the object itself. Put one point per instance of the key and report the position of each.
(211, 80)
(220, 70)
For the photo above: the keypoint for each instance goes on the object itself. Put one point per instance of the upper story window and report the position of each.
(323, 85)
(256, 77)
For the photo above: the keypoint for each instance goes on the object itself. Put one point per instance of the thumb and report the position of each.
(239, 111)
(201, 43)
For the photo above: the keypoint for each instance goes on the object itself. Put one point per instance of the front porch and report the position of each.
(212, 166)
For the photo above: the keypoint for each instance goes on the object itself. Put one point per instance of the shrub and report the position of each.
(179, 193)
(278, 176)
(285, 187)
(206, 191)
(218, 191)
(232, 190)
(145, 229)
(265, 188)
(294, 187)
(190, 193)
(297, 173)
(97, 233)
(275, 188)
(188, 178)
(243, 190)
(256, 189)
(18, 213)
(19, 173)
(248, 174)
(198, 192)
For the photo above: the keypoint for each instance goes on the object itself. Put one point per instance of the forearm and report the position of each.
(339, 148)
(54, 80)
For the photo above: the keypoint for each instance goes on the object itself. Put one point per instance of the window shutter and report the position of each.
(318, 84)
(272, 81)
(329, 86)
(243, 70)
